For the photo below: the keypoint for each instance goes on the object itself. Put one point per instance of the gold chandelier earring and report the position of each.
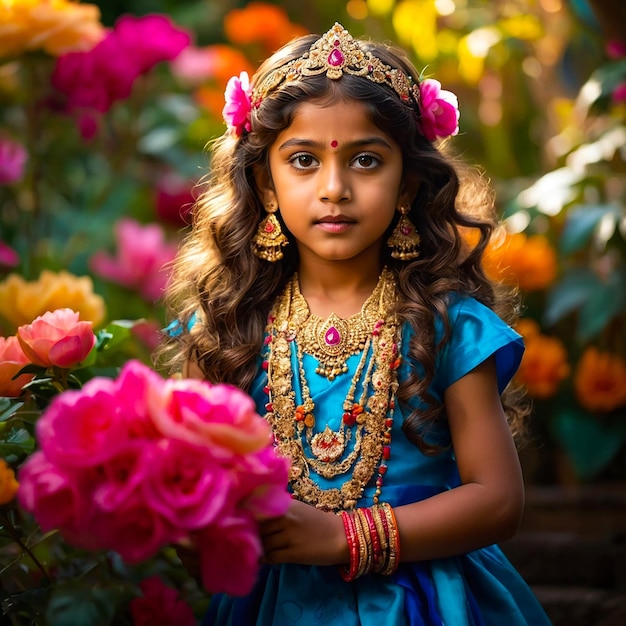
(405, 239)
(269, 239)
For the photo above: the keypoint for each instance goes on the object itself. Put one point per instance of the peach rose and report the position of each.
(57, 338)
(8, 484)
(12, 360)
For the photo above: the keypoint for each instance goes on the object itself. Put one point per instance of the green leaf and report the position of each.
(83, 606)
(8, 408)
(589, 443)
(606, 301)
(602, 83)
(580, 224)
(570, 293)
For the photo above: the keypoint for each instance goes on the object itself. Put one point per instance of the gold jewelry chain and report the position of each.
(373, 421)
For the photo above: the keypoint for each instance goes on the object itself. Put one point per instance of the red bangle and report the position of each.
(377, 553)
(349, 524)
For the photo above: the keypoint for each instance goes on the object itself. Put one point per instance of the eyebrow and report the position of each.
(358, 143)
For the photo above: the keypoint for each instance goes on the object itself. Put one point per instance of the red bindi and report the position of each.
(334, 143)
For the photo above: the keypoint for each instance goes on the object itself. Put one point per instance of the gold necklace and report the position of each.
(371, 418)
(332, 341)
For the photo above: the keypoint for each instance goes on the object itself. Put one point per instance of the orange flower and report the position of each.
(12, 360)
(529, 262)
(544, 364)
(600, 380)
(8, 484)
(55, 26)
(261, 22)
(21, 301)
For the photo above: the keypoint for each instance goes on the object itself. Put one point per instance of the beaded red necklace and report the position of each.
(368, 421)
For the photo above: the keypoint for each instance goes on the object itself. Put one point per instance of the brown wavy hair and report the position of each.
(217, 277)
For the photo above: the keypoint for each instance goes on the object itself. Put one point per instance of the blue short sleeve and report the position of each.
(476, 334)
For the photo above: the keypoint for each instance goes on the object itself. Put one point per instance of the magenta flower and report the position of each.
(142, 255)
(439, 110)
(56, 496)
(57, 338)
(8, 256)
(619, 94)
(174, 198)
(236, 111)
(150, 39)
(13, 158)
(616, 49)
(92, 81)
(218, 544)
(160, 605)
(115, 473)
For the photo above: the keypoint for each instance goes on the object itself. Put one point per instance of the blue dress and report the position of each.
(477, 589)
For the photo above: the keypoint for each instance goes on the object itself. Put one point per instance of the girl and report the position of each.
(334, 272)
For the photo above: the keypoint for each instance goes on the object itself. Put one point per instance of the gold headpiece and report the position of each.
(337, 53)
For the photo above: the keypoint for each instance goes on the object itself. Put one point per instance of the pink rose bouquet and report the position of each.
(138, 462)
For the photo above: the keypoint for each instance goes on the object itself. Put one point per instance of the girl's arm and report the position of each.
(488, 506)
(485, 509)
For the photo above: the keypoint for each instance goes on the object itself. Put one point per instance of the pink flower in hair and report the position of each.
(236, 111)
(439, 110)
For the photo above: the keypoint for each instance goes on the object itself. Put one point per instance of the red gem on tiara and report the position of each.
(335, 58)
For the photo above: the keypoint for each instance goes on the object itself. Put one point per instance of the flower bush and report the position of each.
(569, 261)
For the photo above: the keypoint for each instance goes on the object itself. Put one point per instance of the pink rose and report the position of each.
(229, 555)
(135, 384)
(219, 417)
(186, 485)
(55, 499)
(134, 530)
(236, 111)
(13, 158)
(83, 428)
(119, 480)
(12, 360)
(439, 110)
(262, 485)
(57, 338)
(160, 605)
(142, 255)
(150, 39)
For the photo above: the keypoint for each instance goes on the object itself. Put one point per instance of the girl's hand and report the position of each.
(305, 535)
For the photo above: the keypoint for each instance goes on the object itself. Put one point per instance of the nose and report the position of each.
(334, 183)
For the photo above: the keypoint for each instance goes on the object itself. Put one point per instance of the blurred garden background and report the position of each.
(105, 112)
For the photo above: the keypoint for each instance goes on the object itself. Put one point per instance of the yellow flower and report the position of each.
(8, 484)
(600, 380)
(21, 301)
(544, 364)
(529, 262)
(54, 26)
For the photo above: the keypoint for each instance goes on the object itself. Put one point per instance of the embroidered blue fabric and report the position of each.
(477, 589)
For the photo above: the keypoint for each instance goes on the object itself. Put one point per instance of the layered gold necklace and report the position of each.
(367, 421)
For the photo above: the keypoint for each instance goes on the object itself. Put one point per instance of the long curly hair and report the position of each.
(217, 278)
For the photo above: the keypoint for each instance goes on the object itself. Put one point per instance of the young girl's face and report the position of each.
(337, 180)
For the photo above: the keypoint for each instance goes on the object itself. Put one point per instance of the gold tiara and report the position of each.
(337, 53)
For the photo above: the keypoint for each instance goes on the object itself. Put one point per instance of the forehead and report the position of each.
(339, 121)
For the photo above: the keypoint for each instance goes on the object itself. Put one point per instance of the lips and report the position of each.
(334, 219)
